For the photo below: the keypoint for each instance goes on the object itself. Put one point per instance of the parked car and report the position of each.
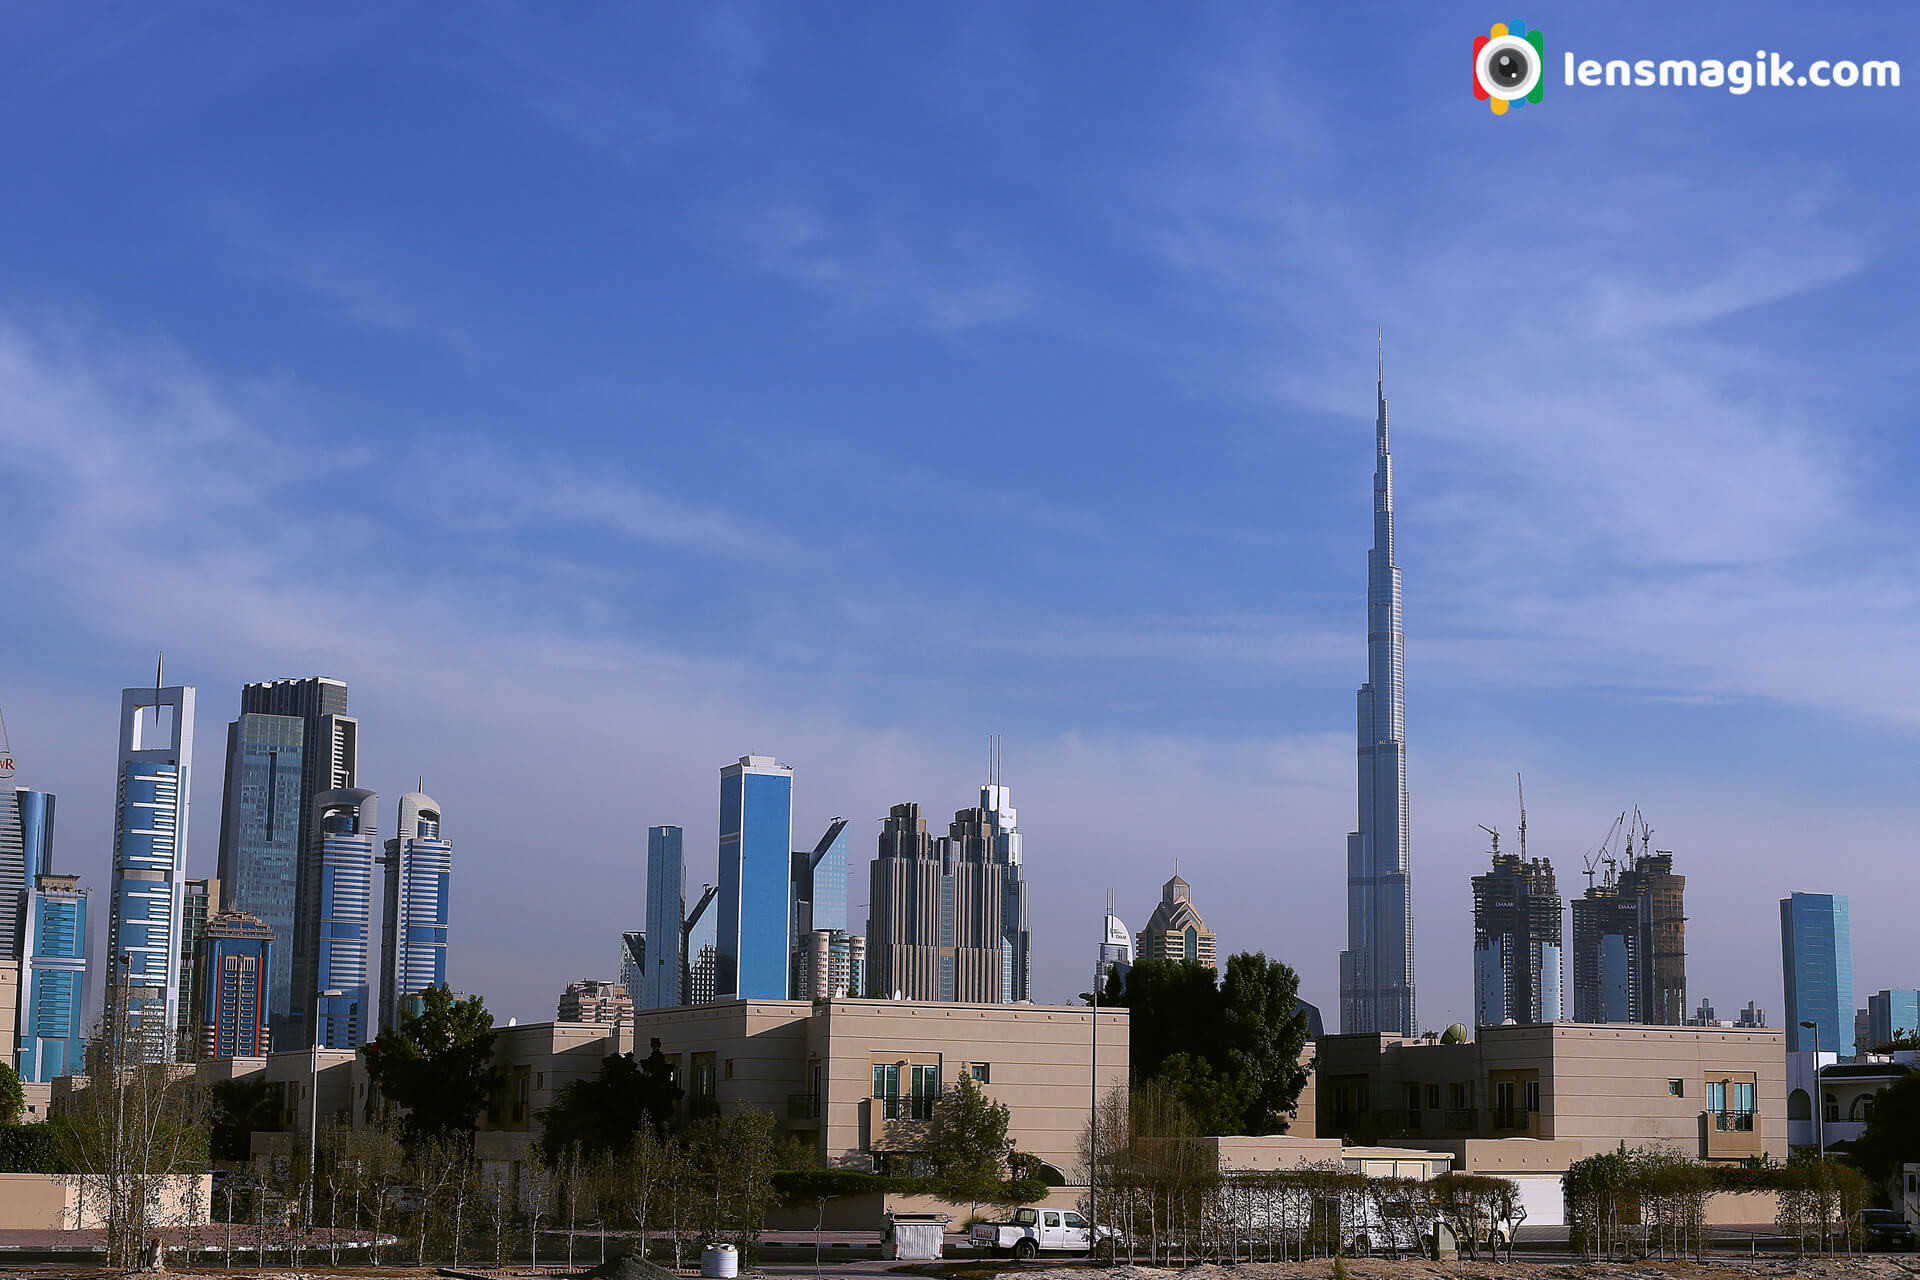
(1887, 1229)
(1035, 1230)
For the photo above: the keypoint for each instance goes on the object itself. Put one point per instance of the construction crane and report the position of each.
(1495, 834)
(1603, 855)
(1523, 815)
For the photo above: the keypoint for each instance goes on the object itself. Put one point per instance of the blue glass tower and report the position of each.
(344, 828)
(1889, 1014)
(260, 842)
(756, 888)
(53, 979)
(660, 980)
(1816, 961)
(419, 865)
(149, 868)
(818, 894)
(1376, 969)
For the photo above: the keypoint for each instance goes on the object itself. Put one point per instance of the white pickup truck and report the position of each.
(1034, 1230)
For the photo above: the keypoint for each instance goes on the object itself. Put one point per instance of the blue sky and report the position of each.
(608, 393)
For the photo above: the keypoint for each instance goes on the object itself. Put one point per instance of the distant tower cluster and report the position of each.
(1176, 931)
(595, 1000)
(934, 928)
(43, 937)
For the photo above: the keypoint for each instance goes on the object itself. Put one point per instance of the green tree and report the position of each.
(1263, 1030)
(602, 1115)
(966, 1141)
(437, 1066)
(1892, 1134)
(1226, 1047)
(13, 1100)
(237, 1110)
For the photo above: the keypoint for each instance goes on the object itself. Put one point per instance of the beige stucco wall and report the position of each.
(53, 1202)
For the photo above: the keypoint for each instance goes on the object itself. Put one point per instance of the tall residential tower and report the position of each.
(1376, 969)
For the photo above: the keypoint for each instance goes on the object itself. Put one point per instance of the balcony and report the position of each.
(1390, 1120)
(917, 1107)
(1512, 1120)
(803, 1109)
(1463, 1119)
(1729, 1135)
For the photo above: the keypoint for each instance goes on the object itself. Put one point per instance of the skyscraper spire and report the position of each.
(1376, 970)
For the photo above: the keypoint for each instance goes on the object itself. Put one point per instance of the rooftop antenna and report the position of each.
(1523, 815)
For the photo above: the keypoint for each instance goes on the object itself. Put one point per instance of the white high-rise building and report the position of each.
(1376, 969)
(151, 808)
(419, 866)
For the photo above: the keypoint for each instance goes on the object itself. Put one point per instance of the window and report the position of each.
(1716, 1095)
(1433, 1097)
(1413, 1098)
(1049, 1218)
(981, 1072)
(886, 1081)
(729, 1068)
(539, 1079)
(1832, 1109)
(1531, 1095)
(1678, 1088)
(1073, 1219)
(1458, 1097)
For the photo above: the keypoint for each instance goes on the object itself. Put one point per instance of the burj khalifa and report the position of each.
(1376, 969)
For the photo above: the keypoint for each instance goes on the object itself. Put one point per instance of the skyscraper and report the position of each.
(830, 965)
(660, 980)
(1376, 969)
(1116, 949)
(1175, 931)
(15, 875)
(262, 839)
(633, 960)
(53, 979)
(1890, 1013)
(819, 895)
(231, 962)
(1630, 943)
(151, 809)
(935, 925)
(200, 903)
(999, 826)
(700, 949)
(1816, 960)
(344, 835)
(756, 852)
(414, 925)
(1516, 941)
(329, 761)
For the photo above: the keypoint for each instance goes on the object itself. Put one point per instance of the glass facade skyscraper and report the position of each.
(1816, 961)
(1376, 969)
(53, 979)
(344, 827)
(329, 761)
(755, 902)
(1516, 941)
(662, 972)
(260, 841)
(819, 897)
(1891, 1013)
(151, 810)
(419, 866)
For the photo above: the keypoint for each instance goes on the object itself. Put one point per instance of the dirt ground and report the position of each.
(1882, 1266)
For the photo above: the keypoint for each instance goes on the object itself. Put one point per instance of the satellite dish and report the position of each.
(513, 1022)
(898, 994)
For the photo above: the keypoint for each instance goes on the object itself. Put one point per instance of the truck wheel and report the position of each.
(1026, 1250)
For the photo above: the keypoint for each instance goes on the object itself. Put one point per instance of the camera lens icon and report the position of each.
(1508, 66)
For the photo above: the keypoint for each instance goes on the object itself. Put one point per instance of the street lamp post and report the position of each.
(313, 1102)
(1819, 1094)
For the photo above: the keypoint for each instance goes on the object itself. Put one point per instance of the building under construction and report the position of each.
(1630, 937)
(1516, 941)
